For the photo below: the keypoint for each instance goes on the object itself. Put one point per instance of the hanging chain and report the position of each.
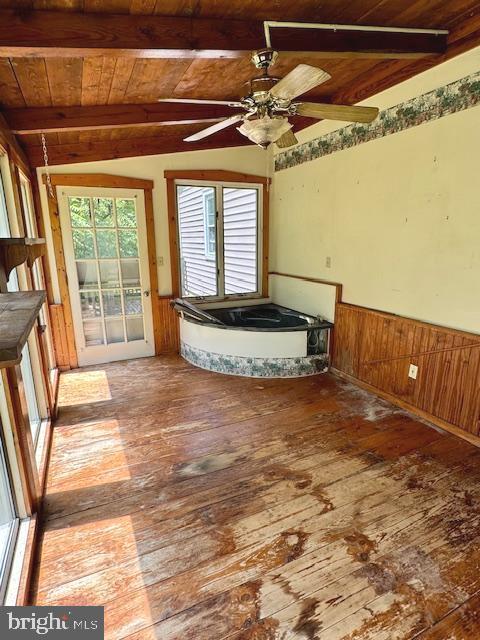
(47, 172)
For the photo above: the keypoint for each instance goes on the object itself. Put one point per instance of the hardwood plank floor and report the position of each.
(199, 506)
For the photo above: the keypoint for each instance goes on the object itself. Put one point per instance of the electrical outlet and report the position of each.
(412, 371)
(160, 261)
(328, 262)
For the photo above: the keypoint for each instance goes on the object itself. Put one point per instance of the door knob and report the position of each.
(146, 293)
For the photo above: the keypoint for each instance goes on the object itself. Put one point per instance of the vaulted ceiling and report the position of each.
(39, 74)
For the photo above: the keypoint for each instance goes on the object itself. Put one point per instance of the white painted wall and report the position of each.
(399, 216)
(249, 159)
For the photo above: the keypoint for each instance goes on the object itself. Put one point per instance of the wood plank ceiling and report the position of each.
(115, 79)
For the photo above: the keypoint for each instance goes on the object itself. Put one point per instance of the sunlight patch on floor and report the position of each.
(83, 387)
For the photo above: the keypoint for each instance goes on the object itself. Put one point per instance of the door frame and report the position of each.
(107, 181)
(99, 354)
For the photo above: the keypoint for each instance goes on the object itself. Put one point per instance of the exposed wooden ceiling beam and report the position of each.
(128, 147)
(66, 34)
(33, 120)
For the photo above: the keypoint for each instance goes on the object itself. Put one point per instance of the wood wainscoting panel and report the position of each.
(377, 348)
(169, 335)
(59, 332)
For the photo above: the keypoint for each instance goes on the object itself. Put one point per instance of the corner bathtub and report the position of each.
(261, 341)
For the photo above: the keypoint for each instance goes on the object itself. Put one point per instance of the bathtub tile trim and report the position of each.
(255, 367)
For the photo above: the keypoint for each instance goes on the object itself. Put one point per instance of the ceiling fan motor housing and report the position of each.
(258, 89)
(264, 58)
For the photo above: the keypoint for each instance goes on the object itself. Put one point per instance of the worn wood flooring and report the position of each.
(199, 506)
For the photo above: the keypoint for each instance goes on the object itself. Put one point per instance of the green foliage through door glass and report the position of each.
(80, 214)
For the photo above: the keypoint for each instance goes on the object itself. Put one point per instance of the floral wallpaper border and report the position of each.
(456, 96)
(255, 367)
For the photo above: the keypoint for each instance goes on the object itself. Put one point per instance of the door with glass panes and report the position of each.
(105, 244)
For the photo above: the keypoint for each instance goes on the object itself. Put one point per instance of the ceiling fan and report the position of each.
(269, 101)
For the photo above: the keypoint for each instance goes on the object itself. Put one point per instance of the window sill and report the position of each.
(17, 592)
(232, 302)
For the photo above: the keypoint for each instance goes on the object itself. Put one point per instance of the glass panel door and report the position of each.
(105, 244)
(109, 261)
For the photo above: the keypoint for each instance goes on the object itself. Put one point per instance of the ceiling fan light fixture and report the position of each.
(263, 131)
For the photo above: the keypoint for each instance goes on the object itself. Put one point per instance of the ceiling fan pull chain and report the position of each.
(267, 156)
(47, 171)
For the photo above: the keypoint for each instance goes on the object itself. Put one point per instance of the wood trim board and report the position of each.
(152, 268)
(62, 280)
(105, 180)
(173, 235)
(265, 237)
(59, 333)
(215, 175)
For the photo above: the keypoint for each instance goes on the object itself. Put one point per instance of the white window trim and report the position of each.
(210, 255)
(219, 186)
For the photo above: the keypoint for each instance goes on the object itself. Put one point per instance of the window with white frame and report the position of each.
(30, 385)
(219, 229)
(8, 511)
(37, 271)
(4, 224)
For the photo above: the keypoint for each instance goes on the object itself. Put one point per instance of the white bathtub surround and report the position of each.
(314, 298)
(255, 367)
(271, 354)
(230, 341)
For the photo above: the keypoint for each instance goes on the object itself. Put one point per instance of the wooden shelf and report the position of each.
(15, 251)
(18, 312)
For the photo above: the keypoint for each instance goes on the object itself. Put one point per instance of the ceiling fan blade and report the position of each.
(287, 140)
(214, 128)
(228, 103)
(298, 81)
(336, 112)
